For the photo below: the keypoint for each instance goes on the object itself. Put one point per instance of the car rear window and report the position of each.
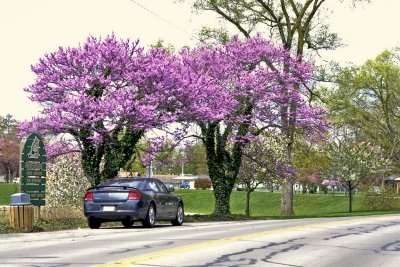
(131, 183)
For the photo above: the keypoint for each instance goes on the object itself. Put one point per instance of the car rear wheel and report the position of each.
(127, 223)
(178, 221)
(94, 223)
(150, 217)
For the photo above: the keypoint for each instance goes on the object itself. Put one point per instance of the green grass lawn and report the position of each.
(263, 204)
(266, 204)
(6, 190)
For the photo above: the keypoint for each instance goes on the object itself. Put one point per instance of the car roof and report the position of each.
(140, 178)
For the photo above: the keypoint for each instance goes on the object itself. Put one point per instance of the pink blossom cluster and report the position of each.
(259, 84)
(331, 182)
(60, 147)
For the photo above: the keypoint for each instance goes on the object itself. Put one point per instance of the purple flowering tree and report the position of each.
(332, 183)
(256, 80)
(105, 93)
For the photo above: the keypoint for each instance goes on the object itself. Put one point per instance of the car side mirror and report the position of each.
(170, 188)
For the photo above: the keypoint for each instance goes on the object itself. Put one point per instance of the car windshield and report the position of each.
(123, 182)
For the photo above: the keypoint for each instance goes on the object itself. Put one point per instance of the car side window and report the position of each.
(162, 187)
(153, 186)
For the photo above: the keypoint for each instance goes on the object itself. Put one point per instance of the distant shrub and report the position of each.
(312, 189)
(324, 189)
(383, 199)
(202, 183)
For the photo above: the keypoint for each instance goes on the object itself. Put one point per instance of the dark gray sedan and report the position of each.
(132, 199)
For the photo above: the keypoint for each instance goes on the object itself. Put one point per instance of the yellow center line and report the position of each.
(187, 248)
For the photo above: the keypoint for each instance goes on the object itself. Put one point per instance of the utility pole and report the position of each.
(151, 169)
(183, 163)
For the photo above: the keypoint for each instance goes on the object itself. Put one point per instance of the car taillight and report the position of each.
(134, 195)
(88, 196)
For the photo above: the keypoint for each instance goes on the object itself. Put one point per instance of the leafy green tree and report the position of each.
(141, 160)
(170, 159)
(366, 102)
(134, 165)
(9, 147)
(262, 164)
(309, 161)
(196, 162)
(169, 48)
(353, 162)
(296, 24)
(7, 124)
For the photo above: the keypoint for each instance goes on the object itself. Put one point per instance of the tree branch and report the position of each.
(231, 20)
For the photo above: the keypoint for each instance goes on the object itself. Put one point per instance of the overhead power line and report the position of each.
(166, 21)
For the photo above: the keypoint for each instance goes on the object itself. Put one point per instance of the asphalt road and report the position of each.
(357, 241)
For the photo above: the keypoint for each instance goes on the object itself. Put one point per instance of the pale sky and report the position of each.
(31, 28)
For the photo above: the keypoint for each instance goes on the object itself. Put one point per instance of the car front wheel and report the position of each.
(150, 217)
(178, 221)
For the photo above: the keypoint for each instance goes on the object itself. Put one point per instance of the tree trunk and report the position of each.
(222, 172)
(91, 166)
(287, 198)
(350, 198)
(289, 122)
(303, 188)
(222, 194)
(248, 203)
(91, 157)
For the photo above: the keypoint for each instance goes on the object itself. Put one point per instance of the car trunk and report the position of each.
(107, 196)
